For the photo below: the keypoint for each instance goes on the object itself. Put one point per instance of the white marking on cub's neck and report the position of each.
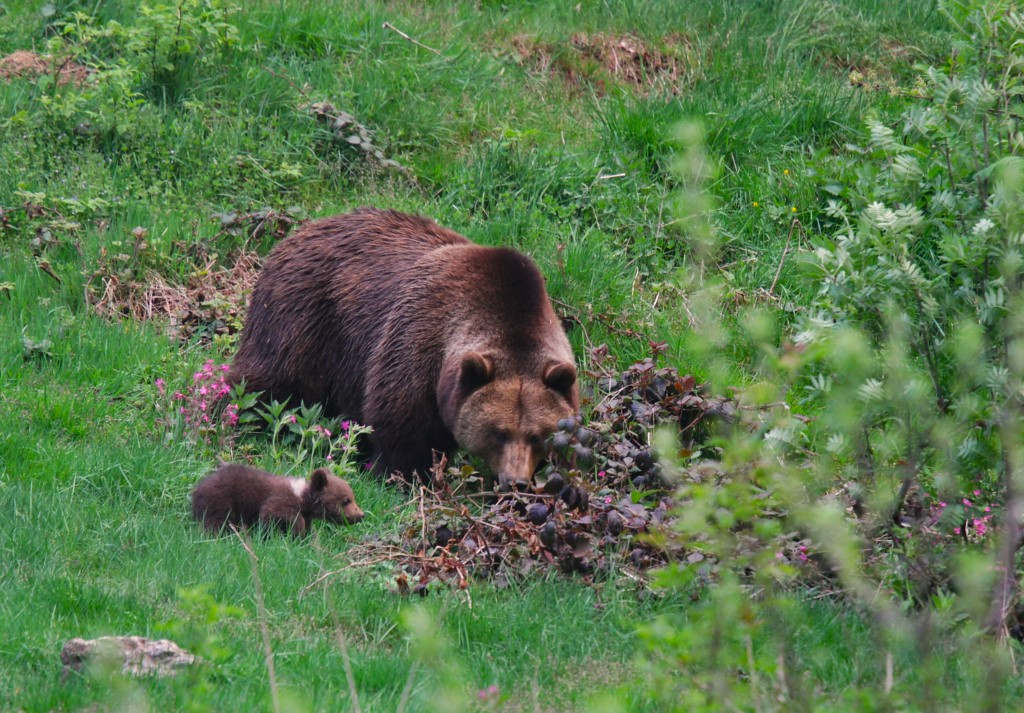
(299, 486)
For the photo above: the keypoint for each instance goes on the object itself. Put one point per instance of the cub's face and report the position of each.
(506, 421)
(333, 498)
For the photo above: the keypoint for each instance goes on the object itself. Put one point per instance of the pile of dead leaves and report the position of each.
(23, 64)
(210, 302)
(599, 507)
(600, 59)
(639, 399)
(212, 299)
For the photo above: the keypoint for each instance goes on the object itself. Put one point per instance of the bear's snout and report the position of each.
(515, 471)
(508, 483)
(352, 515)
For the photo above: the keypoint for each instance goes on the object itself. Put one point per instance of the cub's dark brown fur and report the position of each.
(242, 496)
(433, 341)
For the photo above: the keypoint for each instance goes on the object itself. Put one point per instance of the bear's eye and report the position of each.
(501, 435)
(534, 439)
(345, 502)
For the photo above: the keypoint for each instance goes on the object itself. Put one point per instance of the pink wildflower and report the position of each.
(161, 386)
(600, 474)
(967, 502)
(326, 432)
(977, 492)
(942, 504)
(330, 457)
(344, 425)
(294, 420)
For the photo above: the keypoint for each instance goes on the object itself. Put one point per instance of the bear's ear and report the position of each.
(560, 376)
(318, 480)
(476, 370)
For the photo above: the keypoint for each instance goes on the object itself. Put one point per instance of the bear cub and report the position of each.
(240, 495)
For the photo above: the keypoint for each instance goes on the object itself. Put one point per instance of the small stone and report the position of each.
(585, 436)
(554, 484)
(537, 513)
(549, 534)
(442, 535)
(584, 456)
(137, 655)
(560, 441)
(568, 425)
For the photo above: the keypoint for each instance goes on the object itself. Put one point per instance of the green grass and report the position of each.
(577, 171)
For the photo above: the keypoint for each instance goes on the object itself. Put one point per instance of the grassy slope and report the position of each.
(94, 538)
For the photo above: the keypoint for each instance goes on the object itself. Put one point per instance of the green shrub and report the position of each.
(900, 495)
(927, 258)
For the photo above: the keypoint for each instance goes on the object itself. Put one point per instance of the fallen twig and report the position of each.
(268, 652)
(785, 251)
(389, 26)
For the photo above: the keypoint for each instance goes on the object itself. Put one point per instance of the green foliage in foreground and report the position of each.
(914, 368)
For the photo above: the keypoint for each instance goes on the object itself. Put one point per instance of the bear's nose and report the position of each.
(508, 485)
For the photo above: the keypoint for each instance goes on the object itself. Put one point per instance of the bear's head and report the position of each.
(332, 499)
(504, 415)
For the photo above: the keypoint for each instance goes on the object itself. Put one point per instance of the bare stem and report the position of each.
(785, 251)
(268, 652)
(1002, 598)
(389, 26)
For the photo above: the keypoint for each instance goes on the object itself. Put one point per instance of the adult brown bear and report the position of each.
(401, 324)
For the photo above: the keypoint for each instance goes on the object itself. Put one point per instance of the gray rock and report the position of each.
(137, 656)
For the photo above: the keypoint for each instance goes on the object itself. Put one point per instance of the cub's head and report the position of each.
(332, 499)
(505, 418)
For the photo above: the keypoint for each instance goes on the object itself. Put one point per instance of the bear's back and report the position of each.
(320, 304)
(234, 493)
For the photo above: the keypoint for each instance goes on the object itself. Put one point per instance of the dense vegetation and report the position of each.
(813, 208)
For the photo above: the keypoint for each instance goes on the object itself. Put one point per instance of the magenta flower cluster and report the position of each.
(976, 523)
(198, 408)
(486, 695)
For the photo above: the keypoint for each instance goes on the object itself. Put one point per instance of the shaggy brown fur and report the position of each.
(242, 496)
(433, 341)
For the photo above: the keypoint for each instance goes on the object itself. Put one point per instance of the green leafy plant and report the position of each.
(911, 367)
(172, 41)
(158, 56)
(927, 260)
(303, 437)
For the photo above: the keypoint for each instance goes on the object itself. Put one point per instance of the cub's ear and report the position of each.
(476, 370)
(318, 479)
(560, 376)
